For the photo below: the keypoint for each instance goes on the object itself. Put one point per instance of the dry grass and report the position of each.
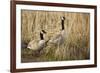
(76, 45)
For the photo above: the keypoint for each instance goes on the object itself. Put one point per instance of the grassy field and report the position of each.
(76, 45)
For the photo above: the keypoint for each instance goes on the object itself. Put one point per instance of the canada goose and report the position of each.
(59, 37)
(38, 46)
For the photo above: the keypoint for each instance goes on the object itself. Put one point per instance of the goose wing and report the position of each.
(56, 39)
(33, 45)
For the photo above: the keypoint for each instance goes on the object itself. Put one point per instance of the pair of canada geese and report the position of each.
(57, 39)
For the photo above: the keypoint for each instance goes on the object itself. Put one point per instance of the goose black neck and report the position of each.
(62, 23)
(41, 36)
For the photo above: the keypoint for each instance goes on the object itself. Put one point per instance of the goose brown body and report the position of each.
(39, 45)
(59, 37)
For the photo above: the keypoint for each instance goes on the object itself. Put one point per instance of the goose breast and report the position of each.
(33, 45)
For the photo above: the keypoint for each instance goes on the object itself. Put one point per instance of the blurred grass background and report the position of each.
(77, 42)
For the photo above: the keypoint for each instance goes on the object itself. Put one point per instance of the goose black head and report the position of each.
(44, 31)
(63, 18)
(41, 34)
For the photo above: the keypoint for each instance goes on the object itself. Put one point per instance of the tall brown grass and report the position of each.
(77, 26)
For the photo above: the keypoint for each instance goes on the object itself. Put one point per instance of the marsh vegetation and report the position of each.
(76, 45)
